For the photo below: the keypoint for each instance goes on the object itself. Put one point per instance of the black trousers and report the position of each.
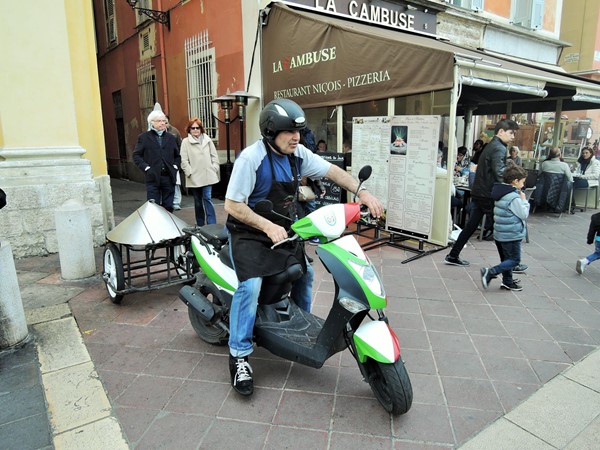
(480, 207)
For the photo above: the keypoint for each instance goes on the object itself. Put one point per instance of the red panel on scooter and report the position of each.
(396, 343)
(352, 211)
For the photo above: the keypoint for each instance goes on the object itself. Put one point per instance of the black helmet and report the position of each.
(281, 115)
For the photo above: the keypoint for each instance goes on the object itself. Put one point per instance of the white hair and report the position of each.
(155, 115)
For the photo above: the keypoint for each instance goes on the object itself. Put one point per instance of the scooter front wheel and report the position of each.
(390, 384)
(213, 334)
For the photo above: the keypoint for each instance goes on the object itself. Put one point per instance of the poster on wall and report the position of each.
(403, 153)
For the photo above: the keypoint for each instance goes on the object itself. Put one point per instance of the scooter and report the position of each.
(356, 321)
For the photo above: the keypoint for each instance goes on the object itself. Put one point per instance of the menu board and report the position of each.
(333, 193)
(403, 152)
(371, 146)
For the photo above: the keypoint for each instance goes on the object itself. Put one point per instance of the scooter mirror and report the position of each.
(365, 173)
(263, 207)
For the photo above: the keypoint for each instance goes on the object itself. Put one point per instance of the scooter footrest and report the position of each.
(294, 339)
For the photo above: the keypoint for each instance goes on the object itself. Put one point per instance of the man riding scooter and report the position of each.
(271, 169)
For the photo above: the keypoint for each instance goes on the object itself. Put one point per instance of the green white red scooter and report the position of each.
(356, 321)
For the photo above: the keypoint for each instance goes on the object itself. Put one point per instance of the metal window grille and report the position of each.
(146, 89)
(201, 76)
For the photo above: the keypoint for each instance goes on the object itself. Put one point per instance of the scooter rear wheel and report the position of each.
(212, 334)
(391, 385)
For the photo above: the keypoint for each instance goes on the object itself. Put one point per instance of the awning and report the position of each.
(320, 60)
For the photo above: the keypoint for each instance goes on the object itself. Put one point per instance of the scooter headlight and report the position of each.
(369, 276)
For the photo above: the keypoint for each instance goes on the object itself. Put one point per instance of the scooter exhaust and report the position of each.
(194, 298)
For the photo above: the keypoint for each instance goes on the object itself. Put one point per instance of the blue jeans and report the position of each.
(596, 255)
(510, 257)
(203, 205)
(245, 302)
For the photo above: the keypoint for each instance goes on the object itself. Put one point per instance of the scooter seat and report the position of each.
(274, 287)
(215, 234)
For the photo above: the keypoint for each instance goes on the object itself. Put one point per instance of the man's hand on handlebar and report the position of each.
(370, 201)
(276, 233)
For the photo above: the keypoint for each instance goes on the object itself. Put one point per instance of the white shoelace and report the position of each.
(243, 371)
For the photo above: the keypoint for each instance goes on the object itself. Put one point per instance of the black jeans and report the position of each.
(480, 207)
(162, 193)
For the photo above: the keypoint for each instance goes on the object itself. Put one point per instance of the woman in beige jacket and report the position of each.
(200, 164)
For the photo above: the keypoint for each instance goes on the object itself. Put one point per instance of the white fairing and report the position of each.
(212, 259)
(350, 244)
(330, 220)
(376, 334)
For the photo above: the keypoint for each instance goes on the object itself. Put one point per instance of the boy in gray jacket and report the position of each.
(510, 214)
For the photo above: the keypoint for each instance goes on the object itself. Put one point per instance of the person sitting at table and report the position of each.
(513, 156)
(461, 166)
(588, 172)
(554, 164)
(478, 146)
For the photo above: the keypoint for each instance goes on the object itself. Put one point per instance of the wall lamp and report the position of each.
(158, 16)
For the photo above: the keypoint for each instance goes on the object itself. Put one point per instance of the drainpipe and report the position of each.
(163, 64)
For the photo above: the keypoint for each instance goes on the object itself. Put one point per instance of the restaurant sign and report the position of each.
(316, 61)
(378, 12)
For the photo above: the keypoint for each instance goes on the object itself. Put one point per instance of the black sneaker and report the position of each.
(486, 277)
(521, 268)
(453, 261)
(241, 375)
(513, 286)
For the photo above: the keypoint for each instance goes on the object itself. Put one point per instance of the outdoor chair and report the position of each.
(553, 192)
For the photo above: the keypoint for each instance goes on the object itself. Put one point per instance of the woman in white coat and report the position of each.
(200, 164)
(588, 172)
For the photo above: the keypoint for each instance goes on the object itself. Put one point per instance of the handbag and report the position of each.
(305, 194)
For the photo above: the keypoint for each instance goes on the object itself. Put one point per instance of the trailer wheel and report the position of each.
(113, 273)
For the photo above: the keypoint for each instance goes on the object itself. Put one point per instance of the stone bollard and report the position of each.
(13, 326)
(75, 243)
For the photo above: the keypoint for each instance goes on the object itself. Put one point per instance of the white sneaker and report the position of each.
(580, 267)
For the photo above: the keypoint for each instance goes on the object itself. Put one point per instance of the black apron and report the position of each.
(251, 248)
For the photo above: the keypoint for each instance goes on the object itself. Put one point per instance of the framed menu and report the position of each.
(403, 153)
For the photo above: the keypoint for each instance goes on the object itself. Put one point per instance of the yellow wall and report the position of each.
(49, 92)
(579, 27)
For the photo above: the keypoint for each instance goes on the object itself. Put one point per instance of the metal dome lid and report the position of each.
(149, 224)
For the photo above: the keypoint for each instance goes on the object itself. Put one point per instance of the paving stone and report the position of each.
(429, 423)
(22, 403)
(38, 295)
(47, 313)
(28, 433)
(467, 393)
(558, 412)
(586, 372)
(317, 409)
(589, 439)
(505, 435)
(105, 433)
(301, 438)
(60, 344)
(187, 431)
(75, 397)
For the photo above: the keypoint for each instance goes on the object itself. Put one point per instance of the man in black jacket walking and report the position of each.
(490, 169)
(157, 155)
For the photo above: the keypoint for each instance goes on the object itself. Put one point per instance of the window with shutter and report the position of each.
(469, 4)
(111, 26)
(528, 13)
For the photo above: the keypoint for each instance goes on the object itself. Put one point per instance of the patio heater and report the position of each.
(226, 104)
(241, 100)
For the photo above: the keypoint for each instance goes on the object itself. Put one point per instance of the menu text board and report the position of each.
(403, 153)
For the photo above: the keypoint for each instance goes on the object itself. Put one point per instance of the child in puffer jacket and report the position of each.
(593, 236)
(511, 210)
